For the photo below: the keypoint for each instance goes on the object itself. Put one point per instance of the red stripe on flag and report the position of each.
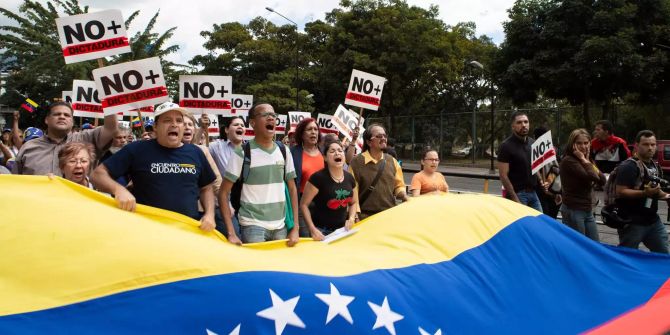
(122, 99)
(206, 104)
(80, 49)
(550, 153)
(363, 98)
(82, 107)
(27, 107)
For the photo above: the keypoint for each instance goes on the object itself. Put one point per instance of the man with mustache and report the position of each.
(514, 164)
(262, 211)
(165, 172)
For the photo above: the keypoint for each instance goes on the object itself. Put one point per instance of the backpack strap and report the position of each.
(246, 147)
(282, 148)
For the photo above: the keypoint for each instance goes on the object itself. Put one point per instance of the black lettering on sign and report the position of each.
(93, 29)
(204, 90)
(281, 122)
(131, 80)
(539, 150)
(295, 119)
(87, 94)
(68, 99)
(363, 85)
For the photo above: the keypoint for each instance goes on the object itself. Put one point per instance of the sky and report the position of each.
(192, 17)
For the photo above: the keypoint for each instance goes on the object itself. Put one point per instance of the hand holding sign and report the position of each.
(542, 152)
(94, 35)
(131, 85)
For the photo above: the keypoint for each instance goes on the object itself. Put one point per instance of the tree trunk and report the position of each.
(607, 107)
(587, 115)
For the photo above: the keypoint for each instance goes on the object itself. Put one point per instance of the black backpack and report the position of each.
(610, 213)
(236, 191)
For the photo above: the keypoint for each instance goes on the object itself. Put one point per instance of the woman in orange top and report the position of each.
(307, 160)
(429, 180)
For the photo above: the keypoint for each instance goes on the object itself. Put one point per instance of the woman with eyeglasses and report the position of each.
(429, 180)
(74, 160)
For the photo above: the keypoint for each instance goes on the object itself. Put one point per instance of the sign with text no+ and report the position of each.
(90, 36)
(131, 85)
(542, 152)
(365, 90)
(206, 94)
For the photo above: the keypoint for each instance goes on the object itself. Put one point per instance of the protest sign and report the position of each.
(205, 94)
(365, 90)
(213, 130)
(280, 128)
(295, 117)
(131, 85)
(85, 99)
(66, 96)
(92, 36)
(325, 123)
(542, 152)
(240, 102)
(346, 121)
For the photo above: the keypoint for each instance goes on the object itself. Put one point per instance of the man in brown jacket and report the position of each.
(390, 184)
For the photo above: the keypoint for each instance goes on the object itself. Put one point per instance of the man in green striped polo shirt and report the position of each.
(263, 201)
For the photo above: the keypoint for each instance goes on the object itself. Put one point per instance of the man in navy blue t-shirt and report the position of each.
(165, 172)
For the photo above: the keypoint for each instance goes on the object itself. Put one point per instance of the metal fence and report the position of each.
(452, 133)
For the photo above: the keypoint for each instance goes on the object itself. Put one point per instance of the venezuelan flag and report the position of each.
(29, 105)
(136, 122)
(451, 264)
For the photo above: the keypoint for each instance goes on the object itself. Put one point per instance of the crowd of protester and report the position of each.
(310, 185)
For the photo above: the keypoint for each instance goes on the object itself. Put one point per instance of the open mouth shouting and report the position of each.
(270, 127)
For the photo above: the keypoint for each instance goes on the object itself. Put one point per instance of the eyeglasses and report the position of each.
(268, 114)
(380, 136)
(74, 162)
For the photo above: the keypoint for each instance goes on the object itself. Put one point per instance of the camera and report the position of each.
(655, 181)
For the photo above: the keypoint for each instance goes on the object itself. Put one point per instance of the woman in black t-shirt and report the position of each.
(332, 192)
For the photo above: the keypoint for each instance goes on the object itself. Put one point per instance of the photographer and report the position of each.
(638, 192)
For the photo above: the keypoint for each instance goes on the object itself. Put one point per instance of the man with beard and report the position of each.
(263, 202)
(40, 156)
(637, 197)
(514, 164)
(166, 173)
(378, 175)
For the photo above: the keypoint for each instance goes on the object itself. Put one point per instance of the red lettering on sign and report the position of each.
(78, 106)
(112, 43)
(207, 104)
(122, 99)
(550, 153)
(363, 98)
(328, 131)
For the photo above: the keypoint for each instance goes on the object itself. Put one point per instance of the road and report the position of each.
(474, 185)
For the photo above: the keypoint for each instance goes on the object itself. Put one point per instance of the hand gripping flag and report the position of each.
(451, 264)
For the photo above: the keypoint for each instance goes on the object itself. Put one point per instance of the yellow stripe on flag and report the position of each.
(33, 103)
(92, 249)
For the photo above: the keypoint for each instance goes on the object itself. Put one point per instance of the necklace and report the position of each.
(338, 179)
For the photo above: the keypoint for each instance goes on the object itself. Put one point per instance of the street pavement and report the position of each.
(476, 184)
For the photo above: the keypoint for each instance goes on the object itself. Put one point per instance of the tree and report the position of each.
(585, 51)
(33, 56)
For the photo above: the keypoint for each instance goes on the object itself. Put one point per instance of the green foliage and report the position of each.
(585, 51)
(33, 56)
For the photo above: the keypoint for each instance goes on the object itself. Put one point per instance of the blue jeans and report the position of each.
(530, 199)
(654, 236)
(581, 221)
(253, 234)
(221, 226)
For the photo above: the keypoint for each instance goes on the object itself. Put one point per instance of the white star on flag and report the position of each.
(235, 331)
(385, 316)
(423, 332)
(337, 304)
(282, 313)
